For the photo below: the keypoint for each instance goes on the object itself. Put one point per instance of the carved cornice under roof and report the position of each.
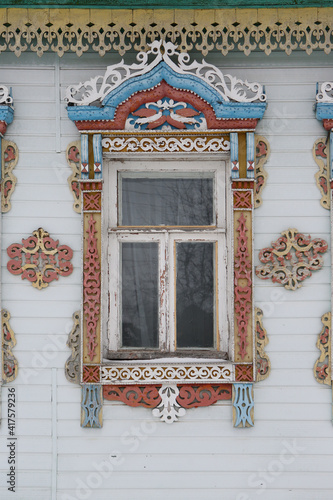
(203, 30)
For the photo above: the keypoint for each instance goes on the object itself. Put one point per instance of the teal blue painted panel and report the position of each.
(163, 4)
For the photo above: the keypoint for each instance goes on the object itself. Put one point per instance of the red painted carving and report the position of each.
(91, 288)
(242, 184)
(190, 396)
(74, 154)
(157, 93)
(91, 374)
(92, 201)
(244, 373)
(242, 199)
(3, 127)
(328, 124)
(134, 395)
(40, 259)
(243, 285)
(91, 185)
(203, 395)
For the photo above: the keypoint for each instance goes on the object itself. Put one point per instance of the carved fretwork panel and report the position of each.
(10, 156)
(9, 361)
(73, 158)
(243, 405)
(322, 368)
(72, 366)
(291, 259)
(263, 363)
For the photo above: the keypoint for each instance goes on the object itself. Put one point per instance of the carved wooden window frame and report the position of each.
(161, 385)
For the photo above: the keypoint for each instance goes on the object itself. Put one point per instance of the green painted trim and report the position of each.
(163, 4)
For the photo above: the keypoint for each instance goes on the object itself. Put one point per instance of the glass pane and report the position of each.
(195, 297)
(140, 294)
(166, 201)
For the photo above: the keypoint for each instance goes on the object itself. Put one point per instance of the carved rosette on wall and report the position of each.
(163, 104)
(40, 259)
(73, 157)
(291, 259)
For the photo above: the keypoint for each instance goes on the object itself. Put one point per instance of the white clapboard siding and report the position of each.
(202, 455)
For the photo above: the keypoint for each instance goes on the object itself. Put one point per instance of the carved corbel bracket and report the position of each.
(10, 156)
(319, 152)
(263, 150)
(72, 366)
(262, 360)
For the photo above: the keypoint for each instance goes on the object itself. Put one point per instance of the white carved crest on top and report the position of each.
(229, 87)
(326, 92)
(5, 97)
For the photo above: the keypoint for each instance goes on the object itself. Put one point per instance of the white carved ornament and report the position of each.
(159, 373)
(165, 144)
(5, 97)
(229, 87)
(169, 410)
(326, 92)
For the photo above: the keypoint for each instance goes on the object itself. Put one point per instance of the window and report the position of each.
(167, 254)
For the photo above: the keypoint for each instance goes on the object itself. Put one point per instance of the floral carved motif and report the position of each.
(242, 199)
(40, 259)
(243, 284)
(322, 177)
(9, 362)
(262, 360)
(322, 367)
(165, 114)
(291, 259)
(73, 158)
(72, 366)
(10, 159)
(91, 288)
(262, 154)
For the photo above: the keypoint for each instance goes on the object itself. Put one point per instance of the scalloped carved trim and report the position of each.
(262, 359)
(9, 161)
(263, 150)
(225, 30)
(322, 367)
(319, 152)
(73, 157)
(72, 366)
(9, 362)
(291, 259)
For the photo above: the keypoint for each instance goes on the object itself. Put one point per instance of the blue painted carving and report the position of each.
(84, 156)
(250, 155)
(91, 405)
(243, 404)
(6, 113)
(234, 155)
(98, 156)
(222, 109)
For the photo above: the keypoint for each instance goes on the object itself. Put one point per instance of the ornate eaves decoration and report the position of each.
(73, 158)
(9, 161)
(72, 366)
(40, 259)
(322, 177)
(262, 153)
(9, 362)
(262, 360)
(230, 88)
(322, 369)
(291, 259)
(202, 30)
